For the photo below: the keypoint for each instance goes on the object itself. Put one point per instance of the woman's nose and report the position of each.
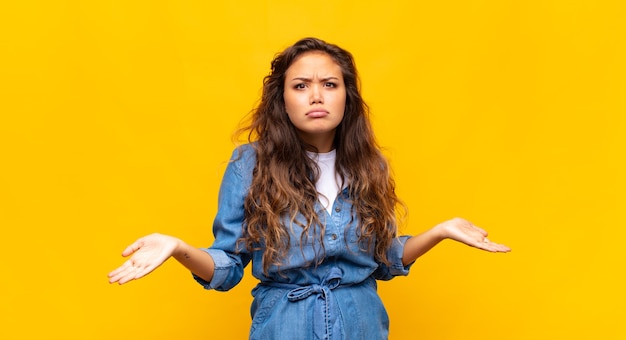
(316, 95)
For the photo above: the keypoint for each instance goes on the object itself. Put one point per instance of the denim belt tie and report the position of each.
(325, 309)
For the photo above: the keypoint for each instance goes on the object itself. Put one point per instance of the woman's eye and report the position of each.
(299, 86)
(329, 84)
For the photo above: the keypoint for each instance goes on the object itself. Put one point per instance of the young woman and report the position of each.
(311, 202)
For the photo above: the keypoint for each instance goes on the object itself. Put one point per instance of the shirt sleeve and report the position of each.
(395, 267)
(229, 255)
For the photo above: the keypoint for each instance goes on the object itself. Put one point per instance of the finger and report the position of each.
(132, 248)
(122, 280)
(483, 244)
(135, 273)
(128, 271)
(502, 248)
(481, 230)
(121, 272)
(143, 272)
(129, 275)
(494, 247)
(116, 278)
(114, 272)
(135, 269)
(126, 279)
(119, 269)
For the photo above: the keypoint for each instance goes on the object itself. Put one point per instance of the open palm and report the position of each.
(148, 253)
(464, 231)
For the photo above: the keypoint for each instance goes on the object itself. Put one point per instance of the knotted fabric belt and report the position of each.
(325, 308)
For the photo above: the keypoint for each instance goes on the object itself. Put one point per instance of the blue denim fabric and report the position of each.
(335, 299)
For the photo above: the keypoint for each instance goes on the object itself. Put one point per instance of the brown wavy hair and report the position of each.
(283, 181)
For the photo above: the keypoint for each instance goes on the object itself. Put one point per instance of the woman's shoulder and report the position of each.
(246, 150)
(244, 155)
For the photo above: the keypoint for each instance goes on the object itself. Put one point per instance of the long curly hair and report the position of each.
(283, 181)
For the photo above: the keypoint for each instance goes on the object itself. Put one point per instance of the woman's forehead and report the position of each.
(314, 64)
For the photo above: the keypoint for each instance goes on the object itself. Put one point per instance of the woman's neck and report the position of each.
(322, 143)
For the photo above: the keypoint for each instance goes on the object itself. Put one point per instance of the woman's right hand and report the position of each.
(148, 253)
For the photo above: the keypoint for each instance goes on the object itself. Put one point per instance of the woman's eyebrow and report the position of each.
(305, 79)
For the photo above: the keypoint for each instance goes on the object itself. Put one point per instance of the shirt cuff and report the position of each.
(395, 254)
(223, 266)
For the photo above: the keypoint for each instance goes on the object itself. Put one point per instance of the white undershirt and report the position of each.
(328, 183)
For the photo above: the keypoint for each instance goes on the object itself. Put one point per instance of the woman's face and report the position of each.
(315, 98)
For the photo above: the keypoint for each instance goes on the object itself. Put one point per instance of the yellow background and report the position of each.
(116, 120)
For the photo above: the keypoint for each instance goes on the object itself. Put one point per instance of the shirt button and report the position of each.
(333, 236)
(337, 209)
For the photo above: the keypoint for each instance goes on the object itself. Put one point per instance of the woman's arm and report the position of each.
(149, 252)
(456, 229)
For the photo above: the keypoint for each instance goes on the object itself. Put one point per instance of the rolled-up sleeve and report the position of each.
(395, 267)
(229, 255)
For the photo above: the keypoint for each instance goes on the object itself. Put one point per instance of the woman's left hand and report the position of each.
(463, 231)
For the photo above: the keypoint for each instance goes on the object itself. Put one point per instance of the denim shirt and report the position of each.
(334, 299)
